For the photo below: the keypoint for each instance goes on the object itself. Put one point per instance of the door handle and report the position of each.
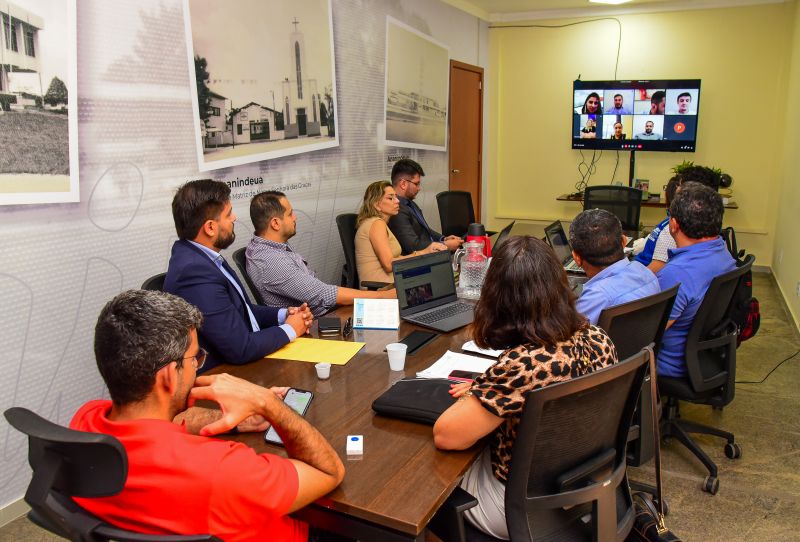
(456, 171)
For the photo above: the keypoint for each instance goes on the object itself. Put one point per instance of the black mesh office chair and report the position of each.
(241, 262)
(632, 326)
(711, 365)
(563, 460)
(155, 283)
(69, 463)
(622, 201)
(346, 224)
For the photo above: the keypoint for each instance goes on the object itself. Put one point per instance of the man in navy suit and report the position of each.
(234, 330)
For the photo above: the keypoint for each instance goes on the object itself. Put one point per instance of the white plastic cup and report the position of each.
(323, 370)
(397, 355)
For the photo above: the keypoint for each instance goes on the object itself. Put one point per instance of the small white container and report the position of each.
(323, 370)
(397, 355)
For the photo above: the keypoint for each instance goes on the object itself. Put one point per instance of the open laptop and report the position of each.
(503, 235)
(426, 292)
(557, 238)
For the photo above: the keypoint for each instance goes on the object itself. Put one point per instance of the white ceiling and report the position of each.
(513, 10)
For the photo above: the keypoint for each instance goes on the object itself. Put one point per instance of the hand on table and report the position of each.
(457, 390)
(300, 318)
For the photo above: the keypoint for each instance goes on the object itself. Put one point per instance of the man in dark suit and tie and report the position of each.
(409, 225)
(234, 330)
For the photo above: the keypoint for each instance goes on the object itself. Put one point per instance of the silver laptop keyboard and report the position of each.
(443, 312)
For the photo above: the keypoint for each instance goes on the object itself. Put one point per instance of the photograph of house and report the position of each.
(38, 129)
(260, 92)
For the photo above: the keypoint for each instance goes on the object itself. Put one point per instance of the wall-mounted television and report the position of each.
(656, 115)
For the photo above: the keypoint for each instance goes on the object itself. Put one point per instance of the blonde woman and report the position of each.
(376, 246)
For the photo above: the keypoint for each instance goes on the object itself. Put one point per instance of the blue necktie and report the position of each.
(418, 213)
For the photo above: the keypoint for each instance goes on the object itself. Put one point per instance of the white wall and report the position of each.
(63, 262)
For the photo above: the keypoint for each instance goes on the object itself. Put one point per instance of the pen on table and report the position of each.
(348, 328)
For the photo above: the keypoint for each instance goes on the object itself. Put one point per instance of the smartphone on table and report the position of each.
(298, 400)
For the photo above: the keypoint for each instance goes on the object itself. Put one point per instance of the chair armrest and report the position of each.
(448, 523)
(373, 285)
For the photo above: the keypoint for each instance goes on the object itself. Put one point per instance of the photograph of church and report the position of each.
(260, 92)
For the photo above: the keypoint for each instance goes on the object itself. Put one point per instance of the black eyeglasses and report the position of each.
(412, 182)
(199, 360)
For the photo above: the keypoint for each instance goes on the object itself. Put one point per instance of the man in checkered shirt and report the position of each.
(281, 275)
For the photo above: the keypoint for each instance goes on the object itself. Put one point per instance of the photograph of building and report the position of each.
(261, 93)
(417, 77)
(38, 130)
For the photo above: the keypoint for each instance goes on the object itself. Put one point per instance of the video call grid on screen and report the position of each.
(655, 115)
(425, 283)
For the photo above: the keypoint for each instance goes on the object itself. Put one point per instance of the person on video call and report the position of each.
(648, 132)
(684, 102)
(590, 130)
(591, 106)
(618, 108)
(658, 102)
(618, 132)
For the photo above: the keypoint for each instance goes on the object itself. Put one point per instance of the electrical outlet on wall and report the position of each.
(797, 290)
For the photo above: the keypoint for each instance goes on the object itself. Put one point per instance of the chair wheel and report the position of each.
(711, 485)
(666, 506)
(732, 450)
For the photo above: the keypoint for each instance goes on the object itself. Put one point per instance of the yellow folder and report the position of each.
(318, 351)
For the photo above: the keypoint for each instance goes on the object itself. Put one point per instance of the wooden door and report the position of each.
(466, 130)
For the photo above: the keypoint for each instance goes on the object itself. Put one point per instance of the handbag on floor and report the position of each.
(648, 525)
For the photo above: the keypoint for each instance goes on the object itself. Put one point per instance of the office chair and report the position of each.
(711, 366)
(622, 201)
(241, 262)
(569, 453)
(155, 283)
(69, 463)
(632, 326)
(455, 212)
(346, 224)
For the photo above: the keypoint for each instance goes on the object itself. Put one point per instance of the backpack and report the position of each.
(744, 310)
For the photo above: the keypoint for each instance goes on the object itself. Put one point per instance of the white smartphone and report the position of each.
(297, 400)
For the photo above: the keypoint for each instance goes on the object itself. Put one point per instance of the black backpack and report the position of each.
(744, 310)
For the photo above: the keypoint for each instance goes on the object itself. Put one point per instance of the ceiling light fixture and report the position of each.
(612, 2)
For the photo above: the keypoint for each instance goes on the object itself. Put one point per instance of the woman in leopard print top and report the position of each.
(527, 309)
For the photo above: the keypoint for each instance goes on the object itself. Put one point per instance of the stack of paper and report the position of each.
(470, 346)
(452, 361)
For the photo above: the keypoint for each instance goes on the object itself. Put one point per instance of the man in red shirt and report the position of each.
(180, 479)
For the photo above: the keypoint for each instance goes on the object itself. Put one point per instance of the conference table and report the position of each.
(401, 480)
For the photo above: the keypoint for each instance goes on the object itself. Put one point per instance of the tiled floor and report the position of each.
(759, 496)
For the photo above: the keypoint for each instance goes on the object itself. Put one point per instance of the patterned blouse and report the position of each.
(501, 389)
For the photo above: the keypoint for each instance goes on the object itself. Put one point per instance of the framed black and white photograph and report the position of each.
(262, 77)
(38, 103)
(417, 86)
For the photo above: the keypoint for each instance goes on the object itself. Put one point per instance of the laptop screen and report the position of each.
(425, 281)
(558, 240)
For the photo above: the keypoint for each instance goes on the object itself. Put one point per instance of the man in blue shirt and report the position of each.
(695, 222)
(597, 246)
(234, 329)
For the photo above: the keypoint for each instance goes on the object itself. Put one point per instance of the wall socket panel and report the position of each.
(797, 290)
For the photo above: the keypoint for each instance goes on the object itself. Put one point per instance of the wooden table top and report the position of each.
(402, 478)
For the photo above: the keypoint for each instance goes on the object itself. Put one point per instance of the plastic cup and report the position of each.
(323, 370)
(397, 356)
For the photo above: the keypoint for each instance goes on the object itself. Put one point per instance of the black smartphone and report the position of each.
(298, 400)
(416, 340)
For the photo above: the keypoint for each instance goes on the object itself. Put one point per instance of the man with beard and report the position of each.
(236, 331)
(648, 132)
(180, 479)
(280, 274)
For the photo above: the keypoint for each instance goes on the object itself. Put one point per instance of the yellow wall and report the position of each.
(740, 55)
(786, 256)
